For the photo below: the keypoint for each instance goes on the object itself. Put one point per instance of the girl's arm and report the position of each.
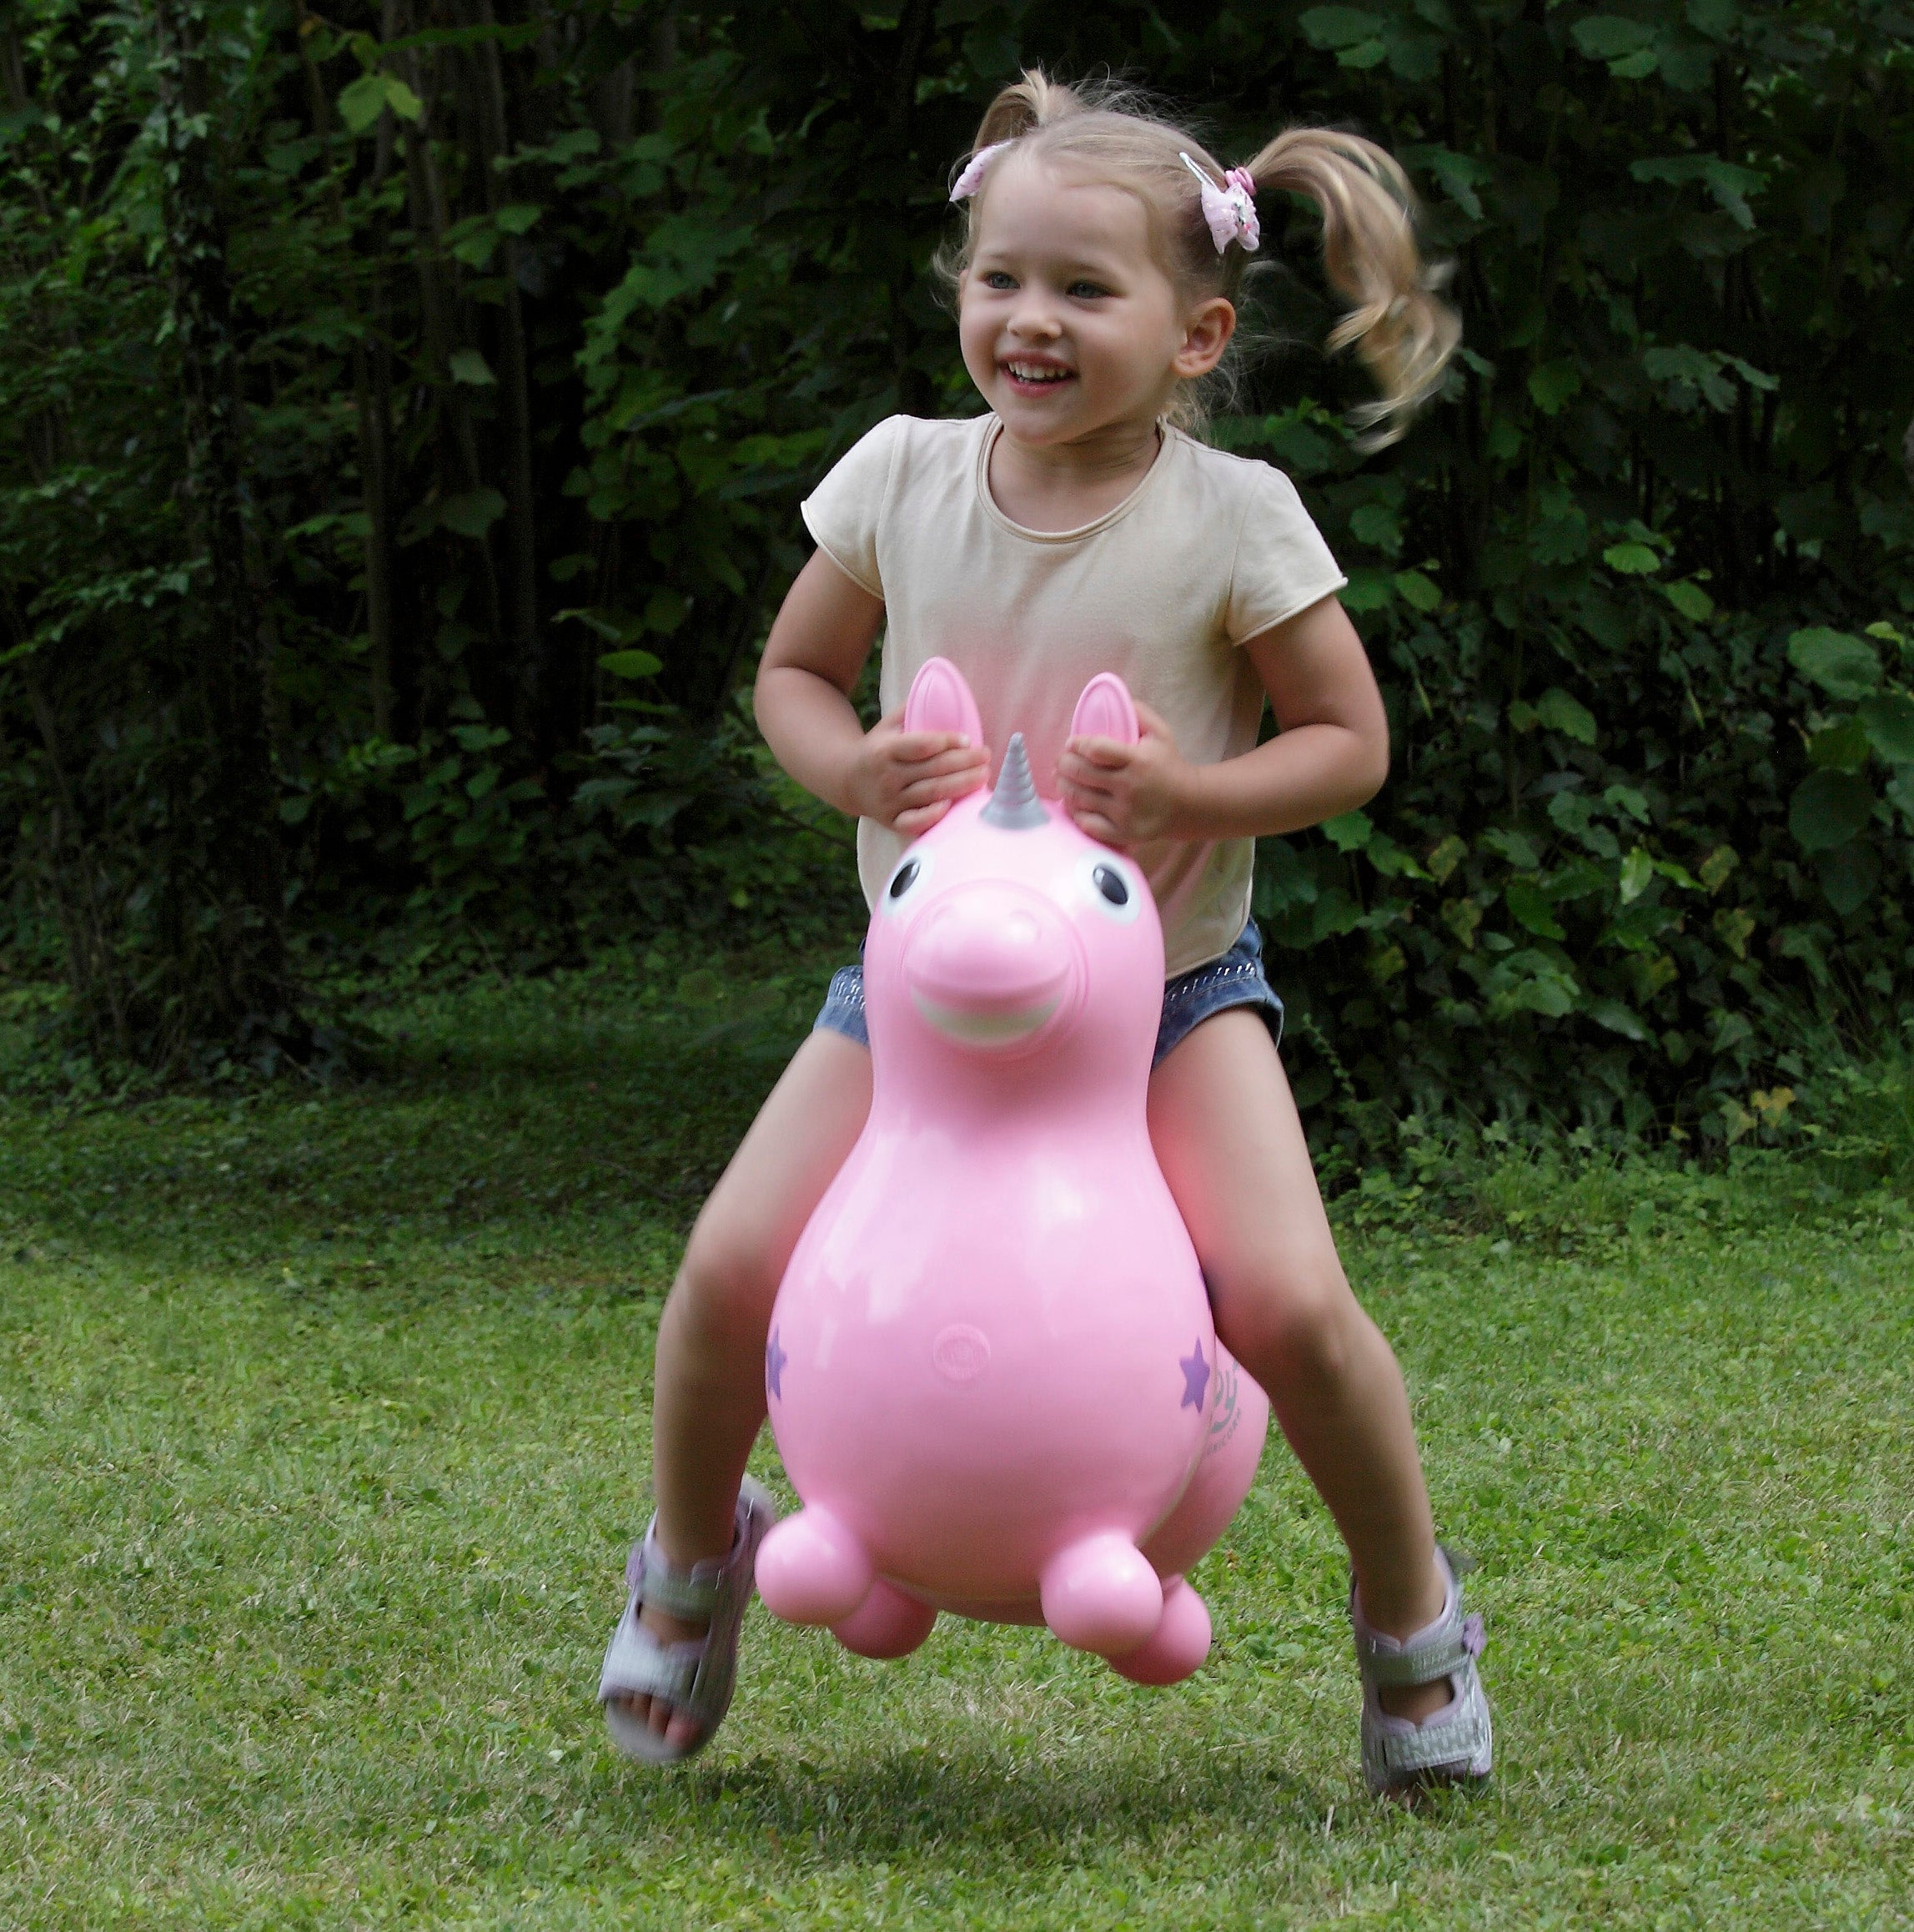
(1331, 757)
(817, 647)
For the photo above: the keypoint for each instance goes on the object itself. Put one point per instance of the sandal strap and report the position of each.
(1444, 1650)
(1458, 1745)
(691, 1594)
(640, 1666)
(1440, 1654)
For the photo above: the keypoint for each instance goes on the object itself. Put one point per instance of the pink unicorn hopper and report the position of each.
(992, 1370)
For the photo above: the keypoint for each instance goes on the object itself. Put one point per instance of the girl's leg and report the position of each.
(1231, 1146)
(707, 1400)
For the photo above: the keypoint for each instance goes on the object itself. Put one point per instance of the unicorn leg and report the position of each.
(1101, 1594)
(887, 1624)
(813, 1569)
(1178, 1646)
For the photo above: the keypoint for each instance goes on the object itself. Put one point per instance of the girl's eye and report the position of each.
(996, 278)
(1086, 291)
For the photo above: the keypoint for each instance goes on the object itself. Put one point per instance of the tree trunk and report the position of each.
(372, 407)
(425, 199)
(915, 396)
(229, 976)
(515, 401)
(72, 881)
(70, 877)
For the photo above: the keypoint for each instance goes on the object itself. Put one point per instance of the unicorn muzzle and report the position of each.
(990, 964)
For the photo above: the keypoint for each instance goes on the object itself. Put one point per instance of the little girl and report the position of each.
(1075, 529)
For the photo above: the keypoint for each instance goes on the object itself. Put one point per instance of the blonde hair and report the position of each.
(1397, 323)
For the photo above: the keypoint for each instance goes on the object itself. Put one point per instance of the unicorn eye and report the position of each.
(1111, 887)
(906, 881)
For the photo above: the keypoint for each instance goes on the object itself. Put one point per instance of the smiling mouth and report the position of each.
(1037, 375)
(984, 1028)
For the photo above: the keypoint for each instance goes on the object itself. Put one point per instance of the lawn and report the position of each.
(322, 1432)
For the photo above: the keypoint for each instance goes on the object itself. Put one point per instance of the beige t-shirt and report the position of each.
(1209, 550)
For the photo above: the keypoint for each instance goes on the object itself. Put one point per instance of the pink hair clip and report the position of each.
(1230, 210)
(967, 183)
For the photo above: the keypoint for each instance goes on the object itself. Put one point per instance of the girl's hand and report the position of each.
(1126, 795)
(908, 780)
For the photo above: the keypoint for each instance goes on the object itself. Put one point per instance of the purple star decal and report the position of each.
(1195, 1377)
(774, 1358)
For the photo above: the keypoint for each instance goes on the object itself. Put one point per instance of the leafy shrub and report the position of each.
(546, 328)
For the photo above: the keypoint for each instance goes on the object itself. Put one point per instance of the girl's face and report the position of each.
(1068, 323)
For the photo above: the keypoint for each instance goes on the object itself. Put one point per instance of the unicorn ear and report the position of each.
(1105, 710)
(940, 701)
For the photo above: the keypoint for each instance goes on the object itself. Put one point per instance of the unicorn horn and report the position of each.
(1014, 804)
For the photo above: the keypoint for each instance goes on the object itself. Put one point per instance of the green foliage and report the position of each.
(534, 386)
(1646, 804)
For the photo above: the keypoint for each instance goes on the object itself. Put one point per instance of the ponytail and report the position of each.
(1398, 323)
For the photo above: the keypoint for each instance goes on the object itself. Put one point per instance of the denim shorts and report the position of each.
(1236, 979)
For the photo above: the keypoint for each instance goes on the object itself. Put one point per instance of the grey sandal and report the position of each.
(695, 1676)
(1456, 1745)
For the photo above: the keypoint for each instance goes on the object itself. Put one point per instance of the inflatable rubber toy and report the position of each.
(992, 1370)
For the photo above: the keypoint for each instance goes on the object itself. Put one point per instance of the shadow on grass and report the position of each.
(905, 1801)
(510, 1115)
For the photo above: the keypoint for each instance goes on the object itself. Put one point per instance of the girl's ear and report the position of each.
(940, 701)
(1206, 336)
(1105, 710)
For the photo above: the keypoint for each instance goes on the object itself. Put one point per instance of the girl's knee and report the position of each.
(727, 1281)
(1293, 1322)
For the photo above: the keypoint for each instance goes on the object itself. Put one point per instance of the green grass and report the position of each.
(322, 1429)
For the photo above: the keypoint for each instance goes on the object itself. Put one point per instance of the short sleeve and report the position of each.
(842, 512)
(1282, 566)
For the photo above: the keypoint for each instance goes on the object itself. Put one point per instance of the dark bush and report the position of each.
(544, 317)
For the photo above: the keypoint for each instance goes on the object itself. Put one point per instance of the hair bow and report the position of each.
(967, 183)
(1230, 210)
